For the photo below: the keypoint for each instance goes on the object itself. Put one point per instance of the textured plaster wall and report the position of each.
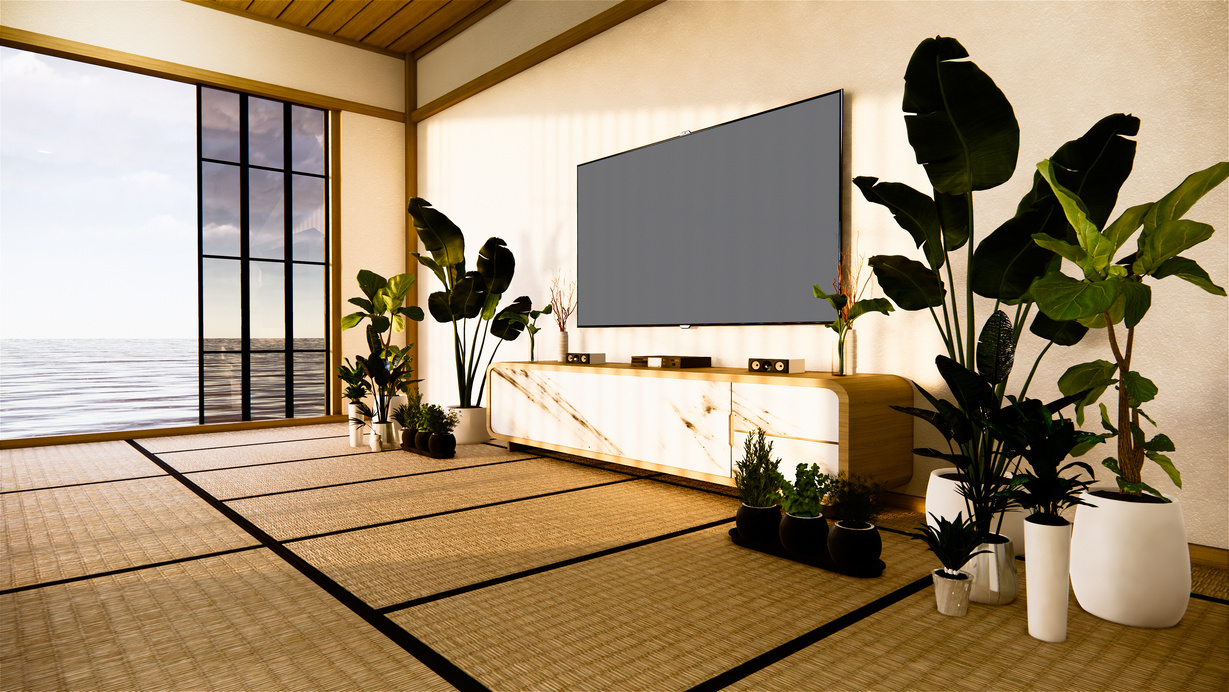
(503, 163)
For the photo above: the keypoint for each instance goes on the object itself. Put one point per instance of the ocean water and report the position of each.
(76, 386)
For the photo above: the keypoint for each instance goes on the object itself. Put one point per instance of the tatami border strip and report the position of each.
(546, 568)
(125, 570)
(1210, 599)
(255, 444)
(797, 644)
(377, 480)
(446, 512)
(431, 658)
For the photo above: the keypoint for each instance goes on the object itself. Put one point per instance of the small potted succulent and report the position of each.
(435, 426)
(758, 480)
(406, 416)
(853, 541)
(804, 530)
(954, 542)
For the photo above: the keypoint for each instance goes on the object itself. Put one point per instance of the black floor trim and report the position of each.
(446, 512)
(1211, 599)
(415, 647)
(375, 480)
(252, 444)
(125, 570)
(546, 568)
(84, 483)
(792, 647)
(275, 463)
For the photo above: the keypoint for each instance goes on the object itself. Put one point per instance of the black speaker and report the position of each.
(587, 358)
(782, 366)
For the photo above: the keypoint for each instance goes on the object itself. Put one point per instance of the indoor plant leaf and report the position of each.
(439, 235)
(996, 348)
(1064, 298)
(1162, 243)
(1137, 298)
(973, 393)
(1063, 333)
(1140, 389)
(497, 265)
(506, 328)
(963, 129)
(370, 284)
(914, 211)
(1189, 270)
(1180, 200)
(907, 282)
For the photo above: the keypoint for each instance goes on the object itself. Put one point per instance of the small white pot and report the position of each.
(472, 428)
(393, 402)
(563, 347)
(943, 499)
(952, 595)
(374, 441)
(384, 433)
(1130, 562)
(1047, 579)
(356, 428)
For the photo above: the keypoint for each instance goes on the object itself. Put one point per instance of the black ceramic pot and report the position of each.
(422, 440)
(758, 524)
(442, 444)
(407, 437)
(854, 545)
(807, 536)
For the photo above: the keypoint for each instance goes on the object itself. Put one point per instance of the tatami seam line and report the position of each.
(125, 570)
(446, 512)
(83, 483)
(548, 567)
(375, 480)
(431, 658)
(252, 444)
(799, 643)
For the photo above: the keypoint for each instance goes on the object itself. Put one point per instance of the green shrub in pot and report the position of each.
(803, 529)
(758, 480)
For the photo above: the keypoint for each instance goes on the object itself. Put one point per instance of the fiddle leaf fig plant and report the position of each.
(1113, 295)
(467, 295)
(386, 369)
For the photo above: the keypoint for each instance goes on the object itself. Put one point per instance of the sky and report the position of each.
(97, 202)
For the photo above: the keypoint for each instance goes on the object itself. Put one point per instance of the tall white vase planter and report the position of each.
(563, 347)
(1130, 562)
(1048, 582)
(943, 499)
(995, 580)
(472, 427)
(356, 425)
(395, 402)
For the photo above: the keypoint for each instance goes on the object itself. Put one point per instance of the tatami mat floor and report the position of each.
(286, 559)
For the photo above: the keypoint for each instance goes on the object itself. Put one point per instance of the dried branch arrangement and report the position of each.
(562, 300)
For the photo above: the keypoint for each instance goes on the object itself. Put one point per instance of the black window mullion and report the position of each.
(288, 251)
(245, 290)
(200, 265)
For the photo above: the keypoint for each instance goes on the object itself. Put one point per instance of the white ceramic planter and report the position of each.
(563, 347)
(356, 428)
(943, 499)
(1130, 562)
(995, 580)
(394, 402)
(472, 428)
(1047, 580)
(384, 433)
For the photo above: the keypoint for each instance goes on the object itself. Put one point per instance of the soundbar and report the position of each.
(677, 362)
(781, 366)
(586, 358)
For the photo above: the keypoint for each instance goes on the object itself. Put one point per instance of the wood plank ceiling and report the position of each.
(389, 26)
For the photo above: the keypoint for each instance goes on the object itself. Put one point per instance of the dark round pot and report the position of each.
(854, 545)
(805, 535)
(407, 437)
(758, 524)
(422, 440)
(442, 444)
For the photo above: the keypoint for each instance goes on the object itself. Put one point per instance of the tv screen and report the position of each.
(727, 225)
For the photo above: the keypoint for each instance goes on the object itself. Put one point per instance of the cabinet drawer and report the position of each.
(806, 413)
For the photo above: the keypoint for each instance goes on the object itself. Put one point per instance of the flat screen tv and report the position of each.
(730, 225)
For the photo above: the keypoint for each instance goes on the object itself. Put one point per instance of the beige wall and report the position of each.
(503, 163)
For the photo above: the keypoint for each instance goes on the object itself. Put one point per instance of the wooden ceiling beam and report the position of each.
(335, 15)
(302, 12)
(369, 19)
(405, 21)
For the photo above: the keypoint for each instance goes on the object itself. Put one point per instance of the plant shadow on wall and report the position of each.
(965, 135)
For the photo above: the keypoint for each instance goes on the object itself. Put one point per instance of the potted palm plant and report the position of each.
(803, 529)
(758, 480)
(1032, 431)
(1130, 559)
(406, 415)
(955, 542)
(468, 296)
(356, 390)
(853, 541)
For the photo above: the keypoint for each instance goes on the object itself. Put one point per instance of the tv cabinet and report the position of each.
(693, 422)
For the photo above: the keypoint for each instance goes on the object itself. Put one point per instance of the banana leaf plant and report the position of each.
(467, 295)
(1113, 295)
(387, 366)
(529, 321)
(964, 133)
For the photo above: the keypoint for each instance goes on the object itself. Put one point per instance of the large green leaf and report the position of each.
(398, 287)
(963, 129)
(439, 235)
(435, 268)
(1137, 299)
(1097, 164)
(1063, 333)
(1140, 389)
(1007, 261)
(507, 328)
(954, 218)
(914, 211)
(1093, 378)
(497, 265)
(468, 296)
(352, 320)
(861, 307)
(996, 348)
(1174, 205)
(1161, 243)
(1099, 250)
(1061, 297)
(437, 305)
(907, 282)
(370, 284)
(973, 393)
(1126, 225)
(1189, 270)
